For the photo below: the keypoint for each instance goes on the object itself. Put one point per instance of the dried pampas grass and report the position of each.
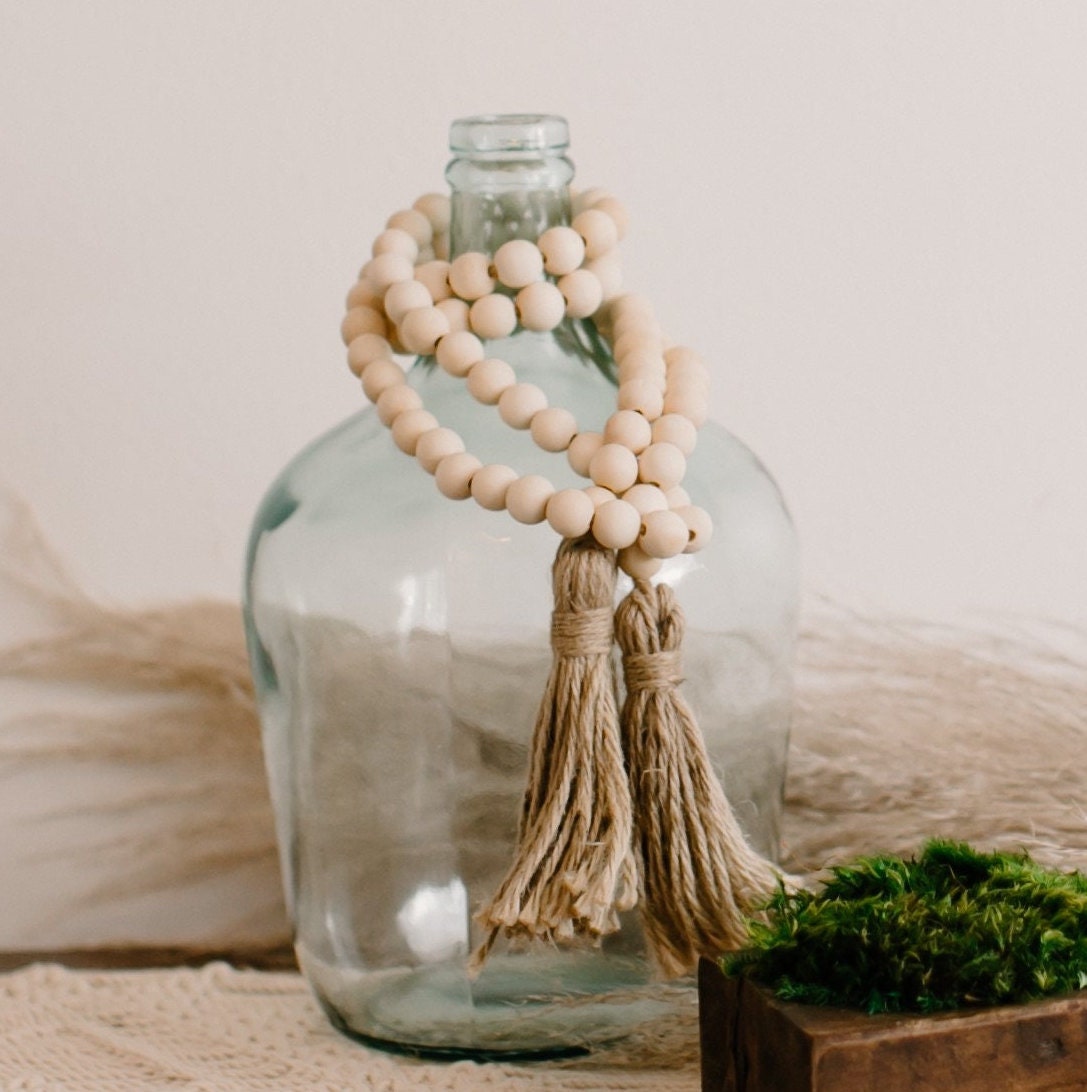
(903, 729)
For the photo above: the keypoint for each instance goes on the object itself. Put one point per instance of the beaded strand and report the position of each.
(410, 298)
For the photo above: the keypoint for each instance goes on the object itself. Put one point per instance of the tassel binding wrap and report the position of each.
(699, 877)
(573, 868)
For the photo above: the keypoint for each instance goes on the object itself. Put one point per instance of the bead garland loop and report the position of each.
(410, 298)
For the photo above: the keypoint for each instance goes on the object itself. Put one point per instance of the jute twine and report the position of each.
(614, 809)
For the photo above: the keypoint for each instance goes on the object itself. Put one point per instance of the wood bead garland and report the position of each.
(407, 298)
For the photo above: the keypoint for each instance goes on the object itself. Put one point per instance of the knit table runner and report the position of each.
(218, 1029)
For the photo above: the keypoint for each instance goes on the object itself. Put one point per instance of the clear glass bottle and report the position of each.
(399, 643)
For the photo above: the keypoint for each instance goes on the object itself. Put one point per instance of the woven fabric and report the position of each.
(218, 1029)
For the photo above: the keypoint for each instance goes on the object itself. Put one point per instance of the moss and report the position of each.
(951, 928)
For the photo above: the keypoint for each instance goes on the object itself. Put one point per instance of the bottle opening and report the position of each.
(500, 136)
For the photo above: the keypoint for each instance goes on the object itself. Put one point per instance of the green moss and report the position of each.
(951, 928)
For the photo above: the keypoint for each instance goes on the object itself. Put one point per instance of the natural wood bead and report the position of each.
(435, 445)
(456, 311)
(581, 450)
(617, 211)
(414, 223)
(582, 293)
(454, 475)
(688, 402)
(396, 241)
(435, 275)
(699, 527)
(646, 498)
(598, 495)
(609, 271)
(540, 306)
(441, 246)
(489, 486)
(553, 428)
(664, 534)
(469, 276)
(517, 405)
(629, 428)
(488, 379)
(585, 199)
(674, 428)
(405, 296)
(378, 376)
(493, 317)
(458, 351)
(409, 426)
(643, 396)
(367, 348)
(518, 263)
(362, 294)
(662, 465)
(678, 497)
(598, 230)
(616, 524)
(687, 364)
(638, 340)
(526, 498)
(615, 467)
(362, 320)
(396, 400)
(386, 270)
(570, 512)
(563, 250)
(637, 564)
(633, 305)
(436, 208)
(420, 330)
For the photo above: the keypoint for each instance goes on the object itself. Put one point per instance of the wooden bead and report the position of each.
(435, 445)
(362, 320)
(458, 351)
(678, 497)
(365, 349)
(436, 208)
(396, 400)
(414, 223)
(638, 340)
(585, 199)
(688, 402)
(664, 534)
(362, 294)
(637, 564)
(553, 428)
(405, 296)
(409, 426)
(469, 276)
(517, 405)
(441, 246)
(570, 512)
(420, 330)
(662, 465)
(598, 230)
(699, 527)
(616, 524)
(632, 305)
(582, 292)
(518, 263)
(540, 306)
(563, 250)
(396, 241)
(598, 495)
(493, 317)
(378, 376)
(488, 379)
(489, 486)
(684, 363)
(456, 311)
(643, 396)
(526, 498)
(673, 428)
(609, 271)
(454, 475)
(386, 270)
(629, 428)
(581, 450)
(435, 275)
(615, 467)
(646, 498)
(617, 211)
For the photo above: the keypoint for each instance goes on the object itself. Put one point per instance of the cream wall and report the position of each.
(869, 216)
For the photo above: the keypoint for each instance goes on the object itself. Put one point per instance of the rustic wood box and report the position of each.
(751, 1042)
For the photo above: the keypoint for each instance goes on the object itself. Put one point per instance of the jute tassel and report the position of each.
(699, 875)
(573, 868)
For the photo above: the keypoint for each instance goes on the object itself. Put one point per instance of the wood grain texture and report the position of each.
(751, 1042)
(271, 958)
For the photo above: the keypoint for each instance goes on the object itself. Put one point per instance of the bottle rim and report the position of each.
(509, 135)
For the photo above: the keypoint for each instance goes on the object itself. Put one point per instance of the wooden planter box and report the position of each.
(752, 1042)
